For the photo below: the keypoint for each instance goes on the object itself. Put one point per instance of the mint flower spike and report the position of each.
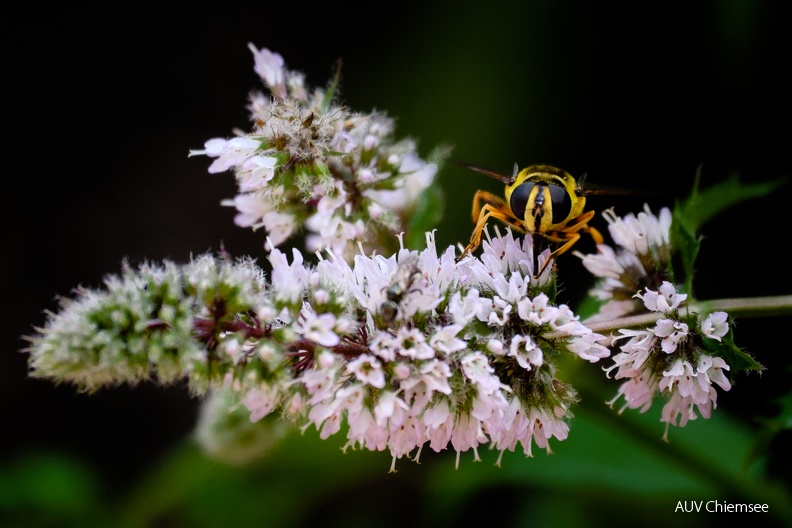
(310, 164)
(463, 361)
(464, 355)
(162, 323)
(668, 348)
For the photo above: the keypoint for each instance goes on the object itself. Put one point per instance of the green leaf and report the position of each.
(784, 418)
(50, 489)
(687, 244)
(428, 214)
(331, 90)
(770, 428)
(703, 205)
(279, 489)
(737, 359)
(615, 462)
(589, 306)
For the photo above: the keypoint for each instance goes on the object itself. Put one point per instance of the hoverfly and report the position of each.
(541, 200)
(403, 278)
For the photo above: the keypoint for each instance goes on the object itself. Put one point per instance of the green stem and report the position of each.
(745, 307)
(749, 306)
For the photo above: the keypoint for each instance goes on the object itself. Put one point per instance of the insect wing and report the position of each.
(508, 180)
(586, 188)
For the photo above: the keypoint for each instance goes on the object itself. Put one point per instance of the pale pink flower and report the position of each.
(526, 352)
(639, 234)
(402, 371)
(634, 352)
(604, 263)
(368, 369)
(671, 333)
(270, 67)
(682, 374)
(288, 280)
(411, 343)
(497, 313)
(587, 348)
(320, 383)
(360, 421)
(388, 406)
(252, 208)
(350, 399)
(477, 369)
(445, 339)
(710, 369)
(384, 345)
(665, 300)
(256, 172)
(467, 434)
(544, 427)
(317, 328)
(536, 310)
(435, 374)
(489, 408)
(464, 310)
(437, 415)
(638, 391)
(229, 153)
(261, 400)
(716, 325)
(679, 409)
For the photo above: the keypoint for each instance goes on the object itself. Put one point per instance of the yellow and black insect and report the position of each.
(541, 200)
(404, 277)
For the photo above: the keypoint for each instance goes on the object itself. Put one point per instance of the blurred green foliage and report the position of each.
(611, 470)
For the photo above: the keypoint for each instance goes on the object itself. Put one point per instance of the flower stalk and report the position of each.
(773, 305)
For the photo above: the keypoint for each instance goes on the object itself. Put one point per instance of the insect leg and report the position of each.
(490, 210)
(568, 239)
(489, 198)
(580, 223)
(594, 234)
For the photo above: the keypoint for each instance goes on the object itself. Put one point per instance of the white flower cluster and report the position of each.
(310, 164)
(642, 260)
(669, 359)
(414, 350)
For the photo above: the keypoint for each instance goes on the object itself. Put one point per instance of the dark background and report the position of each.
(102, 107)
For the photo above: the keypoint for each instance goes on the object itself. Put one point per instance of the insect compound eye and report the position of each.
(562, 203)
(519, 199)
